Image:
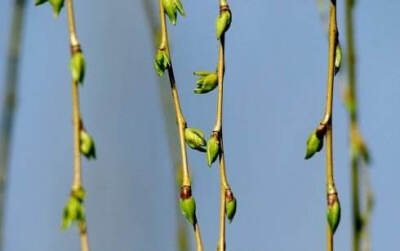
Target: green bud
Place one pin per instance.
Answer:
(57, 6)
(230, 205)
(39, 2)
(333, 213)
(207, 82)
(88, 147)
(314, 144)
(188, 208)
(338, 58)
(213, 149)
(77, 65)
(195, 139)
(172, 7)
(74, 209)
(161, 62)
(223, 23)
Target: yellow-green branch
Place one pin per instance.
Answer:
(77, 182)
(186, 181)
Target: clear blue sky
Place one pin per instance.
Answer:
(275, 87)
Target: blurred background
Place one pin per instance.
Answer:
(274, 96)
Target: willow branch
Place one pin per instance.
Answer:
(77, 182)
(7, 115)
(221, 246)
(181, 230)
(186, 181)
(327, 120)
(358, 225)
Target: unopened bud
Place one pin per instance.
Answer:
(223, 22)
(57, 6)
(78, 66)
(333, 212)
(188, 204)
(314, 144)
(195, 139)
(213, 149)
(88, 147)
(338, 58)
(230, 205)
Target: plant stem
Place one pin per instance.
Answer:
(221, 246)
(327, 120)
(186, 181)
(9, 99)
(77, 182)
(181, 229)
(359, 225)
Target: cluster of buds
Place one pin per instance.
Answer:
(74, 211)
(172, 7)
(56, 4)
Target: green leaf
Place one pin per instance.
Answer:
(213, 149)
(188, 208)
(314, 144)
(57, 6)
(195, 139)
(78, 65)
(230, 209)
(223, 23)
(333, 215)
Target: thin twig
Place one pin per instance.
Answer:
(9, 99)
(181, 229)
(327, 120)
(77, 182)
(186, 181)
(359, 226)
(221, 246)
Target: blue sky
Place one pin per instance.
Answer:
(274, 96)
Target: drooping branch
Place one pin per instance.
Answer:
(10, 99)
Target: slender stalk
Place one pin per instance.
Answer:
(359, 226)
(7, 115)
(181, 230)
(327, 120)
(221, 246)
(186, 181)
(77, 181)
